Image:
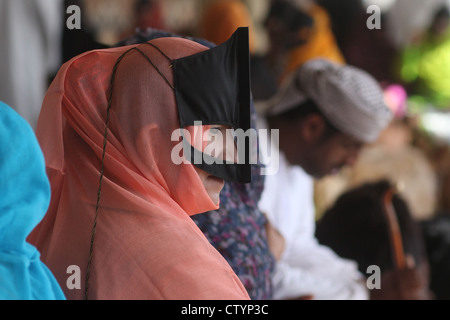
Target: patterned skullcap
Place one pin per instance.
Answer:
(348, 97)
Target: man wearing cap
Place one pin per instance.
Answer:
(325, 113)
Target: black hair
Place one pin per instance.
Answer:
(356, 228)
(442, 13)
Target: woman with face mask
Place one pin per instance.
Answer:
(111, 128)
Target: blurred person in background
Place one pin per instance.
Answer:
(220, 18)
(370, 49)
(394, 157)
(325, 112)
(287, 28)
(320, 42)
(30, 52)
(425, 65)
(357, 227)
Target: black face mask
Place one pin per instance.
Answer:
(213, 87)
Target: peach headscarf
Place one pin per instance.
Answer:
(221, 18)
(146, 245)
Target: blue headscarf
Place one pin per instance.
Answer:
(24, 199)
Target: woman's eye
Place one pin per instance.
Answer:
(214, 130)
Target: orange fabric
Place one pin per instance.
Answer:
(221, 18)
(321, 42)
(146, 246)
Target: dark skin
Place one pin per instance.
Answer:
(287, 28)
(307, 142)
(282, 39)
(355, 228)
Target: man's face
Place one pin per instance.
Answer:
(310, 143)
(331, 154)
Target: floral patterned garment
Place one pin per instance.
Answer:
(237, 231)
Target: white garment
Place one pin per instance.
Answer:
(30, 49)
(305, 267)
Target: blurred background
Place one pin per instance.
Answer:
(404, 44)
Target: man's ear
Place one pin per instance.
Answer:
(313, 128)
